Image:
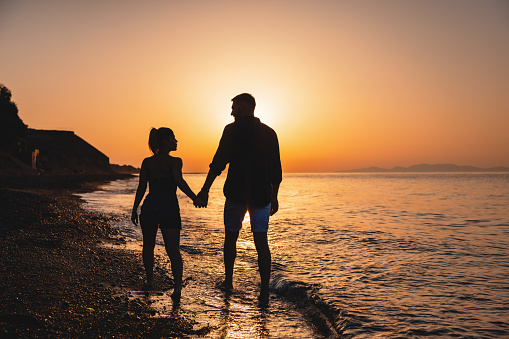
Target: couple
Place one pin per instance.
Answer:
(252, 151)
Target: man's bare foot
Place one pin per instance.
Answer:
(226, 287)
(263, 298)
(175, 296)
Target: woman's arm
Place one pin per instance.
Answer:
(140, 192)
(181, 183)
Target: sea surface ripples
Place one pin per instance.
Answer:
(354, 256)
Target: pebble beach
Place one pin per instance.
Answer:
(58, 276)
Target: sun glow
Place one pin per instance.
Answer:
(344, 85)
(267, 112)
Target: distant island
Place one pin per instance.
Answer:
(427, 168)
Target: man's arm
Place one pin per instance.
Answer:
(277, 177)
(204, 192)
(274, 203)
(221, 158)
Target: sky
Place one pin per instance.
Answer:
(345, 84)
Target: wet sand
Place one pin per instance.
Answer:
(57, 279)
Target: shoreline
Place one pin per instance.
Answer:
(57, 280)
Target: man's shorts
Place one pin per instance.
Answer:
(234, 213)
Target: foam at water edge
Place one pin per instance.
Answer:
(327, 320)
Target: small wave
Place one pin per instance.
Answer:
(190, 250)
(326, 319)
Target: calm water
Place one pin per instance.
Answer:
(354, 256)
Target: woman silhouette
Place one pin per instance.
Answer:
(160, 209)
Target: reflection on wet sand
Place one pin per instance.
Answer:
(218, 314)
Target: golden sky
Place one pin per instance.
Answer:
(345, 84)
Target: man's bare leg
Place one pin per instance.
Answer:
(264, 264)
(230, 253)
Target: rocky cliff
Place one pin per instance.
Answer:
(54, 152)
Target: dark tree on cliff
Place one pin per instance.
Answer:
(11, 126)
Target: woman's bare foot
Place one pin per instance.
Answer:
(148, 286)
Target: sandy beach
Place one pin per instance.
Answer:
(57, 279)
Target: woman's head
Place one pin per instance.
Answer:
(162, 140)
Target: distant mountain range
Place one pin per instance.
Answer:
(427, 168)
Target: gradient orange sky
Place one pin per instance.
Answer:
(345, 84)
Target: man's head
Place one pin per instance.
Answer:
(243, 105)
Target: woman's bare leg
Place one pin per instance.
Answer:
(149, 242)
(171, 238)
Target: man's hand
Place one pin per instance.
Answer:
(203, 199)
(274, 206)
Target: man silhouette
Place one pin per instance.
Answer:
(251, 149)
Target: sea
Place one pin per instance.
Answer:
(392, 255)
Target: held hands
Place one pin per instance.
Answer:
(202, 199)
(199, 203)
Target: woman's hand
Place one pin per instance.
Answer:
(134, 217)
